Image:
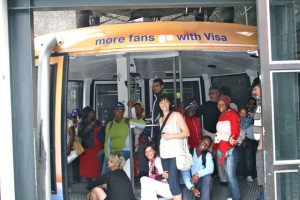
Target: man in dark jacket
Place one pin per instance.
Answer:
(158, 90)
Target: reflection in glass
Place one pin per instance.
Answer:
(190, 91)
(236, 84)
(286, 89)
(287, 186)
(106, 96)
(74, 96)
(285, 29)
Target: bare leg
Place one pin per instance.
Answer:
(98, 194)
(177, 197)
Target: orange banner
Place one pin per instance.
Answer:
(153, 36)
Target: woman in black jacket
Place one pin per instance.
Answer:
(117, 182)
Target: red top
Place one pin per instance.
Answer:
(234, 120)
(195, 128)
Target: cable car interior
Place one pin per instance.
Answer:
(101, 80)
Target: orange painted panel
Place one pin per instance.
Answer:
(153, 36)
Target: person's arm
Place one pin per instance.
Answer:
(200, 129)
(183, 127)
(107, 140)
(138, 123)
(71, 133)
(260, 143)
(99, 181)
(161, 174)
(186, 176)
(235, 128)
(84, 129)
(209, 169)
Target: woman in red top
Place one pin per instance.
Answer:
(88, 130)
(194, 125)
(228, 130)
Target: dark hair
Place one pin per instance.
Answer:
(153, 146)
(214, 88)
(225, 90)
(158, 80)
(206, 137)
(252, 98)
(243, 108)
(86, 111)
(165, 97)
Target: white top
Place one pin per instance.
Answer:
(169, 148)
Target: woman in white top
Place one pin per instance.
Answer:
(156, 183)
(175, 128)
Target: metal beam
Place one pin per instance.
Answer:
(265, 57)
(23, 109)
(6, 142)
(131, 4)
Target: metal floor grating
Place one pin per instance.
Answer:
(249, 190)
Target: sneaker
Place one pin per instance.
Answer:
(249, 179)
(229, 199)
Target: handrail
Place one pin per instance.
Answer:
(43, 122)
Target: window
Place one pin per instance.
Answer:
(285, 29)
(74, 96)
(286, 91)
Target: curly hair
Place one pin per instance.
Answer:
(117, 159)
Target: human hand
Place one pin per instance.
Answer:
(194, 179)
(260, 145)
(196, 192)
(68, 151)
(232, 141)
(93, 123)
(130, 103)
(165, 174)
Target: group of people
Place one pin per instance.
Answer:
(216, 142)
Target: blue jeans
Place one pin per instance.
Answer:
(261, 193)
(230, 166)
(204, 186)
(249, 155)
(186, 193)
(105, 168)
(169, 165)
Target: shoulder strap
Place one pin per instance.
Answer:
(165, 121)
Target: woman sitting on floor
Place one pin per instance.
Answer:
(117, 181)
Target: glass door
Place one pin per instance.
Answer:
(279, 25)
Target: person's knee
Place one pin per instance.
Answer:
(207, 179)
(98, 193)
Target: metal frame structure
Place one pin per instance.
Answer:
(268, 66)
(17, 82)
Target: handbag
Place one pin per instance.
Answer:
(184, 159)
(77, 146)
